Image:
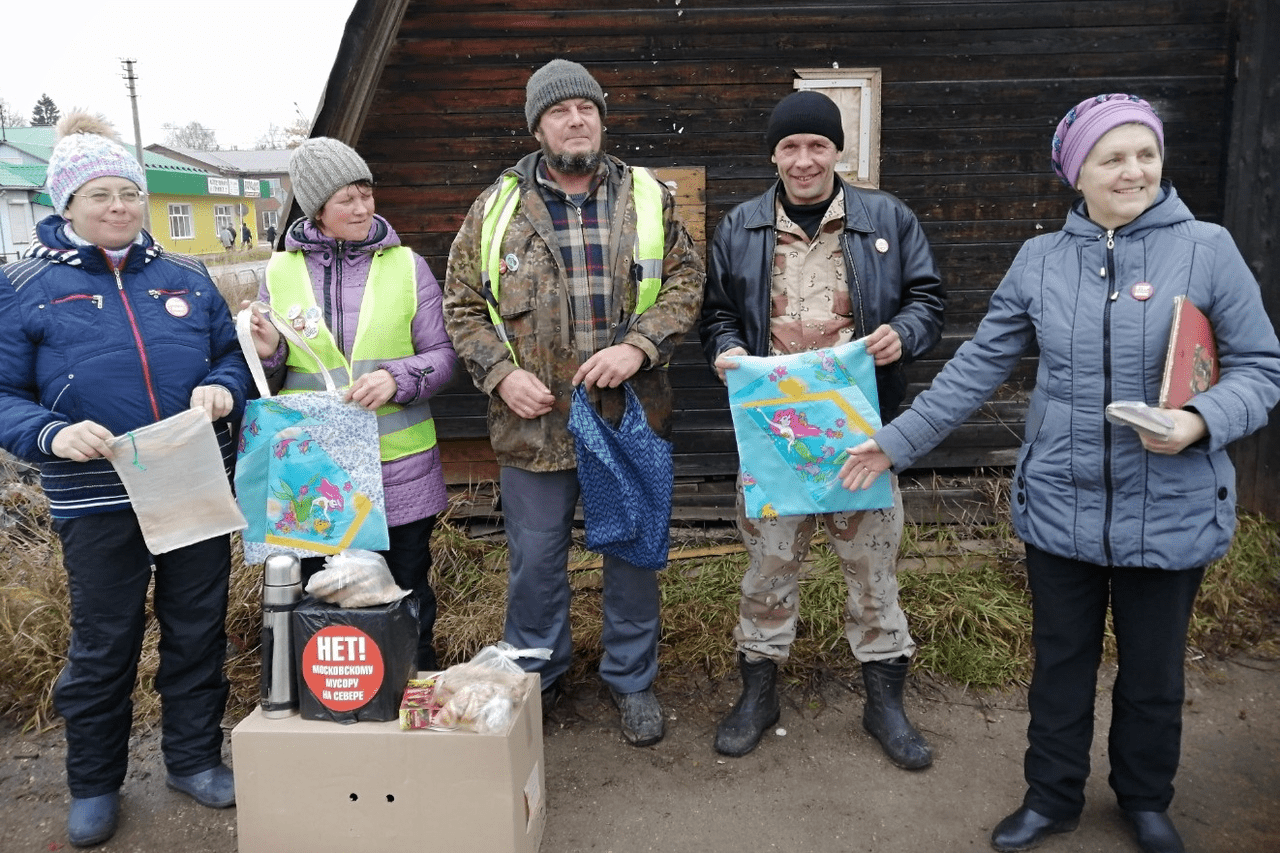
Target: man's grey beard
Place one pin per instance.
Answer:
(574, 164)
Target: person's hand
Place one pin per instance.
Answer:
(866, 462)
(266, 337)
(82, 441)
(214, 399)
(373, 390)
(525, 394)
(728, 360)
(610, 367)
(1188, 428)
(884, 345)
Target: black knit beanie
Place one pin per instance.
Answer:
(805, 112)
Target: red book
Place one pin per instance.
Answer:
(1191, 364)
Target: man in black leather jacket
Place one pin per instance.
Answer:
(815, 262)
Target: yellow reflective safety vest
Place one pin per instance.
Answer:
(649, 250)
(382, 334)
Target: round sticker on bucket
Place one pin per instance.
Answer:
(342, 667)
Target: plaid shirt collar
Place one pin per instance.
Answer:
(582, 232)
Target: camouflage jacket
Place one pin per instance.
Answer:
(532, 299)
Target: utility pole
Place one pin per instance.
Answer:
(129, 80)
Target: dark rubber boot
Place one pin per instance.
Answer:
(93, 820)
(885, 719)
(757, 708)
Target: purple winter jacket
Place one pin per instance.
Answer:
(413, 486)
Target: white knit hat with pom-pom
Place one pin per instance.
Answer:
(88, 148)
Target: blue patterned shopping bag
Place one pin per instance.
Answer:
(794, 416)
(626, 475)
(308, 471)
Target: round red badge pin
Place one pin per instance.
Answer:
(177, 306)
(1141, 291)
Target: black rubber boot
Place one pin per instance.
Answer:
(757, 708)
(885, 719)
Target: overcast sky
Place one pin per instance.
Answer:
(235, 66)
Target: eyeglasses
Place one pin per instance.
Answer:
(102, 198)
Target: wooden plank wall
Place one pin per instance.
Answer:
(1253, 215)
(972, 92)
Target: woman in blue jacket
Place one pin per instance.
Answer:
(1110, 515)
(102, 332)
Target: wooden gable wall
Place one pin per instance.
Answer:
(1253, 216)
(971, 94)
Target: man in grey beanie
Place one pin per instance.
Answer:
(571, 269)
(835, 264)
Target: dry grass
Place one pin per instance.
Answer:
(1238, 606)
(34, 614)
(971, 617)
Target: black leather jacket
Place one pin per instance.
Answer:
(899, 286)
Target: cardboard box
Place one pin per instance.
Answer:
(322, 786)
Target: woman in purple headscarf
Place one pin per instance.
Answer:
(1112, 516)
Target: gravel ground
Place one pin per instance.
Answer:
(817, 783)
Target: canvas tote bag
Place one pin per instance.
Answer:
(176, 481)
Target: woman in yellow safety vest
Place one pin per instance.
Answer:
(371, 311)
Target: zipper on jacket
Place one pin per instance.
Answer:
(335, 317)
(1110, 273)
(156, 294)
(860, 329)
(138, 342)
(766, 292)
(568, 335)
(96, 298)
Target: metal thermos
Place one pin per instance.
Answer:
(281, 590)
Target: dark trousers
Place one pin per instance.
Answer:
(537, 510)
(1150, 610)
(409, 559)
(108, 572)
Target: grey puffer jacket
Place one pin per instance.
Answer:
(413, 486)
(1083, 488)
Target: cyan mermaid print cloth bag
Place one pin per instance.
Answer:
(794, 416)
(308, 473)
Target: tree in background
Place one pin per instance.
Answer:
(193, 135)
(289, 136)
(272, 140)
(45, 113)
(9, 117)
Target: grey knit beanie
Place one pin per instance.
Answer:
(320, 167)
(556, 81)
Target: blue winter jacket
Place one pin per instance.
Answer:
(1084, 488)
(79, 341)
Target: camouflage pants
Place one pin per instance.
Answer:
(866, 543)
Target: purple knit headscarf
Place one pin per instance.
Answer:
(1088, 121)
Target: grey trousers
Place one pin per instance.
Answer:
(538, 511)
